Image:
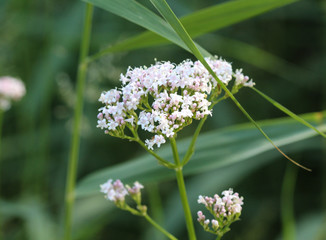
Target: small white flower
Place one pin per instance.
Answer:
(101, 123)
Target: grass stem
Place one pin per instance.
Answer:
(75, 142)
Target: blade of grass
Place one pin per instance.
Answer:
(231, 146)
(259, 58)
(170, 17)
(288, 112)
(75, 141)
(200, 22)
(140, 15)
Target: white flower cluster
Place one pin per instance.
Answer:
(116, 191)
(11, 89)
(163, 98)
(225, 209)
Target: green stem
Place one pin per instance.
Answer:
(182, 191)
(191, 148)
(160, 159)
(1, 122)
(158, 227)
(288, 187)
(75, 142)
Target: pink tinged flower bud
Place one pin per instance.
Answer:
(155, 106)
(100, 116)
(215, 224)
(201, 216)
(135, 189)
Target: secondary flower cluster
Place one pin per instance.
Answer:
(11, 89)
(164, 98)
(225, 210)
(116, 192)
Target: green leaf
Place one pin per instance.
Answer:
(140, 15)
(258, 58)
(170, 17)
(288, 112)
(214, 150)
(202, 21)
(38, 223)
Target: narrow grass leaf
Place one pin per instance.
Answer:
(203, 21)
(214, 150)
(171, 18)
(142, 16)
(288, 112)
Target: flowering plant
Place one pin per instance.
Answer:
(163, 99)
(160, 100)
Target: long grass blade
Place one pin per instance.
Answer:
(200, 22)
(231, 146)
(170, 17)
(142, 16)
(288, 112)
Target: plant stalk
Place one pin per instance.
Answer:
(182, 191)
(75, 142)
(1, 122)
(287, 214)
(158, 227)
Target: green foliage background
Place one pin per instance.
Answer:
(283, 50)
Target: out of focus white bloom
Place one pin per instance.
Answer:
(11, 89)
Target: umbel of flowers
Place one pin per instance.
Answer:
(11, 89)
(225, 210)
(164, 98)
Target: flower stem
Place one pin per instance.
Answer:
(75, 142)
(1, 121)
(191, 148)
(160, 159)
(288, 188)
(182, 191)
(158, 227)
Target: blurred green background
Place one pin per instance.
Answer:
(282, 50)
